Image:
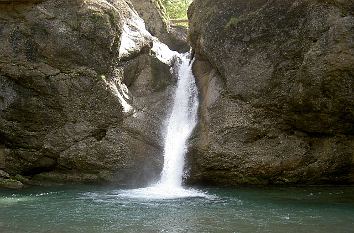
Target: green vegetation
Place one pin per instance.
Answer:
(176, 9)
(232, 22)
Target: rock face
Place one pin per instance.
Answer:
(153, 13)
(72, 109)
(276, 81)
(157, 23)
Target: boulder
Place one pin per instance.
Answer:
(4, 174)
(72, 108)
(157, 23)
(276, 82)
(10, 184)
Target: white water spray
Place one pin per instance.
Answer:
(180, 125)
(181, 121)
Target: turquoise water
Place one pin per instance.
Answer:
(96, 209)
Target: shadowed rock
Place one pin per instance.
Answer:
(276, 79)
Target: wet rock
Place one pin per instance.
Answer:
(4, 174)
(10, 184)
(276, 83)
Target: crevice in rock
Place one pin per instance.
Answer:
(99, 134)
(37, 170)
(50, 166)
(3, 139)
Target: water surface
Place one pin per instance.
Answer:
(96, 210)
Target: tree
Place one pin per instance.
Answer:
(176, 9)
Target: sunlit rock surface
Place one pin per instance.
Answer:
(157, 23)
(71, 108)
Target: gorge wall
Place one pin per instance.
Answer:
(276, 80)
(74, 106)
(157, 23)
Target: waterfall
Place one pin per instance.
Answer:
(181, 123)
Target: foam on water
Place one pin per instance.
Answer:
(162, 192)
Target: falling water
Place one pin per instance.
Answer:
(181, 123)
